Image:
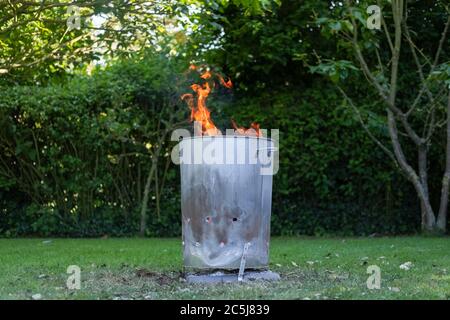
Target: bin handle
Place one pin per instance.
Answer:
(243, 260)
(269, 150)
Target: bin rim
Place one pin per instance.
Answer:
(234, 136)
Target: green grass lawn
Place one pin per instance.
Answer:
(311, 268)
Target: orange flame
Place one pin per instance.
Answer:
(200, 112)
(206, 75)
(227, 84)
(254, 129)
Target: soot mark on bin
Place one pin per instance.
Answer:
(222, 219)
(214, 255)
(196, 208)
(252, 227)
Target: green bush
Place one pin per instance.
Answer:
(74, 158)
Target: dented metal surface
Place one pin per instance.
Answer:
(225, 206)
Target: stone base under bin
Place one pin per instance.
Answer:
(221, 277)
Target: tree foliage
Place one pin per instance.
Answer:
(43, 40)
(415, 102)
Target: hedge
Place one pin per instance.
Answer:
(74, 157)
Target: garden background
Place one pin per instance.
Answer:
(86, 113)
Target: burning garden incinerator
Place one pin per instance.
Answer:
(226, 197)
(226, 191)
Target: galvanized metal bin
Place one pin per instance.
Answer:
(226, 205)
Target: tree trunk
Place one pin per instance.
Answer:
(429, 218)
(441, 224)
(423, 174)
(143, 222)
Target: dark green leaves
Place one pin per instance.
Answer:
(336, 70)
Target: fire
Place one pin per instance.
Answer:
(252, 131)
(201, 114)
(227, 84)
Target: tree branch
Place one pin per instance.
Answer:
(366, 128)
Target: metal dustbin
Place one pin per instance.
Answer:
(226, 198)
